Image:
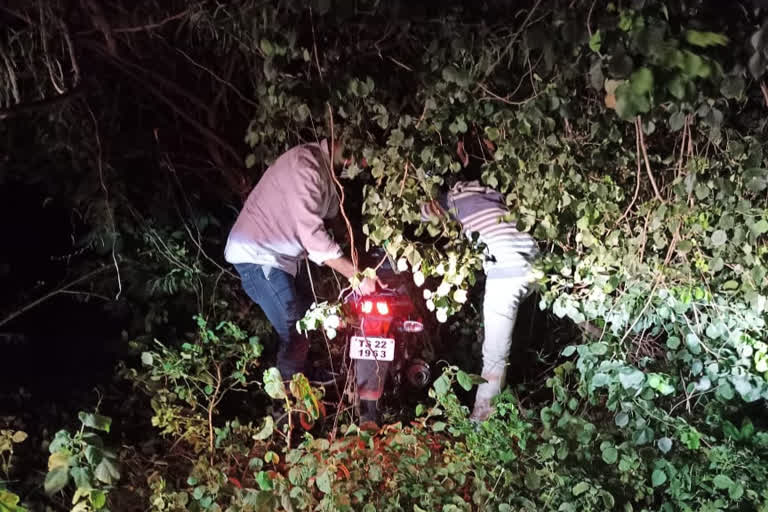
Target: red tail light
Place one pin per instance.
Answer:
(382, 308)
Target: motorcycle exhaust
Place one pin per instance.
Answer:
(418, 373)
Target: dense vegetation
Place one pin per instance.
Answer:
(629, 137)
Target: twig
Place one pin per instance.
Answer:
(218, 79)
(402, 184)
(110, 215)
(637, 179)
(211, 404)
(71, 50)
(639, 127)
(404, 66)
(513, 39)
(151, 26)
(314, 49)
(40, 104)
(645, 307)
(100, 22)
(589, 17)
(11, 77)
(44, 40)
(47, 296)
(86, 294)
(505, 100)
(340, 190)
(764, 89)
(682, 148)
(673, 244)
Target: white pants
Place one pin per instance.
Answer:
(502, 298)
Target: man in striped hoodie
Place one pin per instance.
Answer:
(508, 254)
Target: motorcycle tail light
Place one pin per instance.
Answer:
(382, 308)
(413, 326)
(367, 306)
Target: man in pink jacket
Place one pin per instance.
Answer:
(281, 223)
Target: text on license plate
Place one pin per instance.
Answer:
(381, 349)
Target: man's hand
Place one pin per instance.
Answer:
(367, 286)
(344, 266)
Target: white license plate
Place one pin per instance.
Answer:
(380, 349)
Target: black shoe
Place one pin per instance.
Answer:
(369, 412)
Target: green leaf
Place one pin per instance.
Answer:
(8, 502)
(98, 499)
(676, 121)
(442, 385)
(732, 87)
(106, 472)
(532, 480)
(323, 481)
(273, 384)
(599, 348)
(264, 481)
(465, 381)
(56, 480)
(580, 488)
(596, 41)
(622, 419)
(439, 426)
(693, 343)
(664, 444)
(95, 421)
(719, 238)
(266, 430)
(736, 491)
(610, 455)
(81, 477)
(267, 47)
(642, 81)
(658, 477)
(760, 227)
(705, 39)
(631, 378)
(722, 482)
(756, 179)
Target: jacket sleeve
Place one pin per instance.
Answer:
(311, 196)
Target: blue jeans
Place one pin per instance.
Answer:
(275, 291)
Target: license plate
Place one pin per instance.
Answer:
(380, 349)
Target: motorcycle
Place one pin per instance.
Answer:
(386, 341)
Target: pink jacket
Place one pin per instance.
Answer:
(282, 219)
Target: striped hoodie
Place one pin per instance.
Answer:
(480, 210)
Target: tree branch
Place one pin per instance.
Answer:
(55, 292)
(33, 106)
(639, 127)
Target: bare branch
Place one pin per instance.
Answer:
(639, 127)
(55, 292)
(40, 104)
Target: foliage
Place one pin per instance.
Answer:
(626, 137)
(187, 383)
(82, 459)
(9, 502)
